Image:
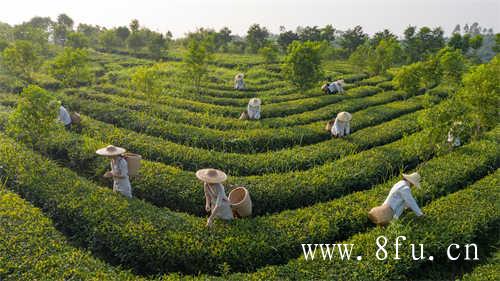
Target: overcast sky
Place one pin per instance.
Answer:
(181, 16)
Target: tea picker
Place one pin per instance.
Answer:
(399, 198)
(253, 110)
(123, 165)
(454, 134)
(334, 87)
(239, 84)
(341, 127)
(217, 203)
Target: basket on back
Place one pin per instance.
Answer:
(133, 163)
(241, 202)
(381, 215)
(75, 117)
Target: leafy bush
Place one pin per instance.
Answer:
(71, 67)
(302, 64)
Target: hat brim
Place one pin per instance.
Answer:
(410, 180)
(105, 152)
(203, 176)
(255, 102)
(345, 117)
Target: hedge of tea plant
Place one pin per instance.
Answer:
(128, 228)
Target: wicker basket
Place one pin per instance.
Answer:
(381, 215)
(241, 202)
(133, 163)
(75, 118)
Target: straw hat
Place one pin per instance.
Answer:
(111, 150)
(240, 76)
(413, 178)
(211, 175)
(254, 102)
(344, 116)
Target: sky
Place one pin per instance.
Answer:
(181, 16)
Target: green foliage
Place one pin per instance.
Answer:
(21, 58)
(386, 54)
(496, 47)
(109, 40)
(27, 233)
(352, 38)
(147, 80)
(35, 116)
(419, 45)
(452, 65)
(72, 67)
(157, 45)
(408, 77)
(302, 64)
(475, 106)
(270, 53)
(256, 37)
(136, 41)
(77, 40)
(196, 61)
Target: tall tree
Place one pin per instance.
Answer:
(257, 37)
(196, 61)
(122, 32)
(352, 38)
(62, 28)
(72, 67)
(285, 38)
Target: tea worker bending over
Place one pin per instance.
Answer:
(400, 197)
(342, 127)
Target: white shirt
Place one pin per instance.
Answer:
(335, 86)
(340, 128)
(455, 141)
(400, 198)
(64, 116)
(217, 196)
(253, 112)
(122, 185)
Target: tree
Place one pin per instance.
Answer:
(456, 41)
(475, 106)
(352, 38)
(72, 67)
(26, 32)
(62, 28)
(286, 38)
(257, 37)
(476, 42)
(302, 64)
(408, 77)
(379, 36)
(270, 53)
(157, 45)
(122, 32)
(223, 38)
(78, 40)
(361, 56)
(147, 80)
(91, 32)
(387, 54)
(309, 33)
(328, 33)
(196, 61)
(109, 40)
(21, 58)
(134, 26)
(452, 65)
(35, 116)
(496, 47)
(136, 41)
(456, 29)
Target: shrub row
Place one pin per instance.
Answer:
(174, 114)
(487, 272)
(32, 249)
(447, 221)
(156, 240)
(255, 140)
(297, 158)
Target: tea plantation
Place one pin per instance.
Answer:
(60, 219)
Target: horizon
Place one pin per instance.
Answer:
(163, 17)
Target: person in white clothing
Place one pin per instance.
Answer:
(216, 201)
(336, 87)
(64, 116)
(119, 169)
(341, 127)
(453, 134)
(253, 108)
(399, 198)
(239, 84)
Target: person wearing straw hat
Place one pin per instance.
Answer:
(342, 127)
(453, 134)
(216, 201)
(253, 109)
(399, 198)
(336, 87)
(119, 169)
(239, 84)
